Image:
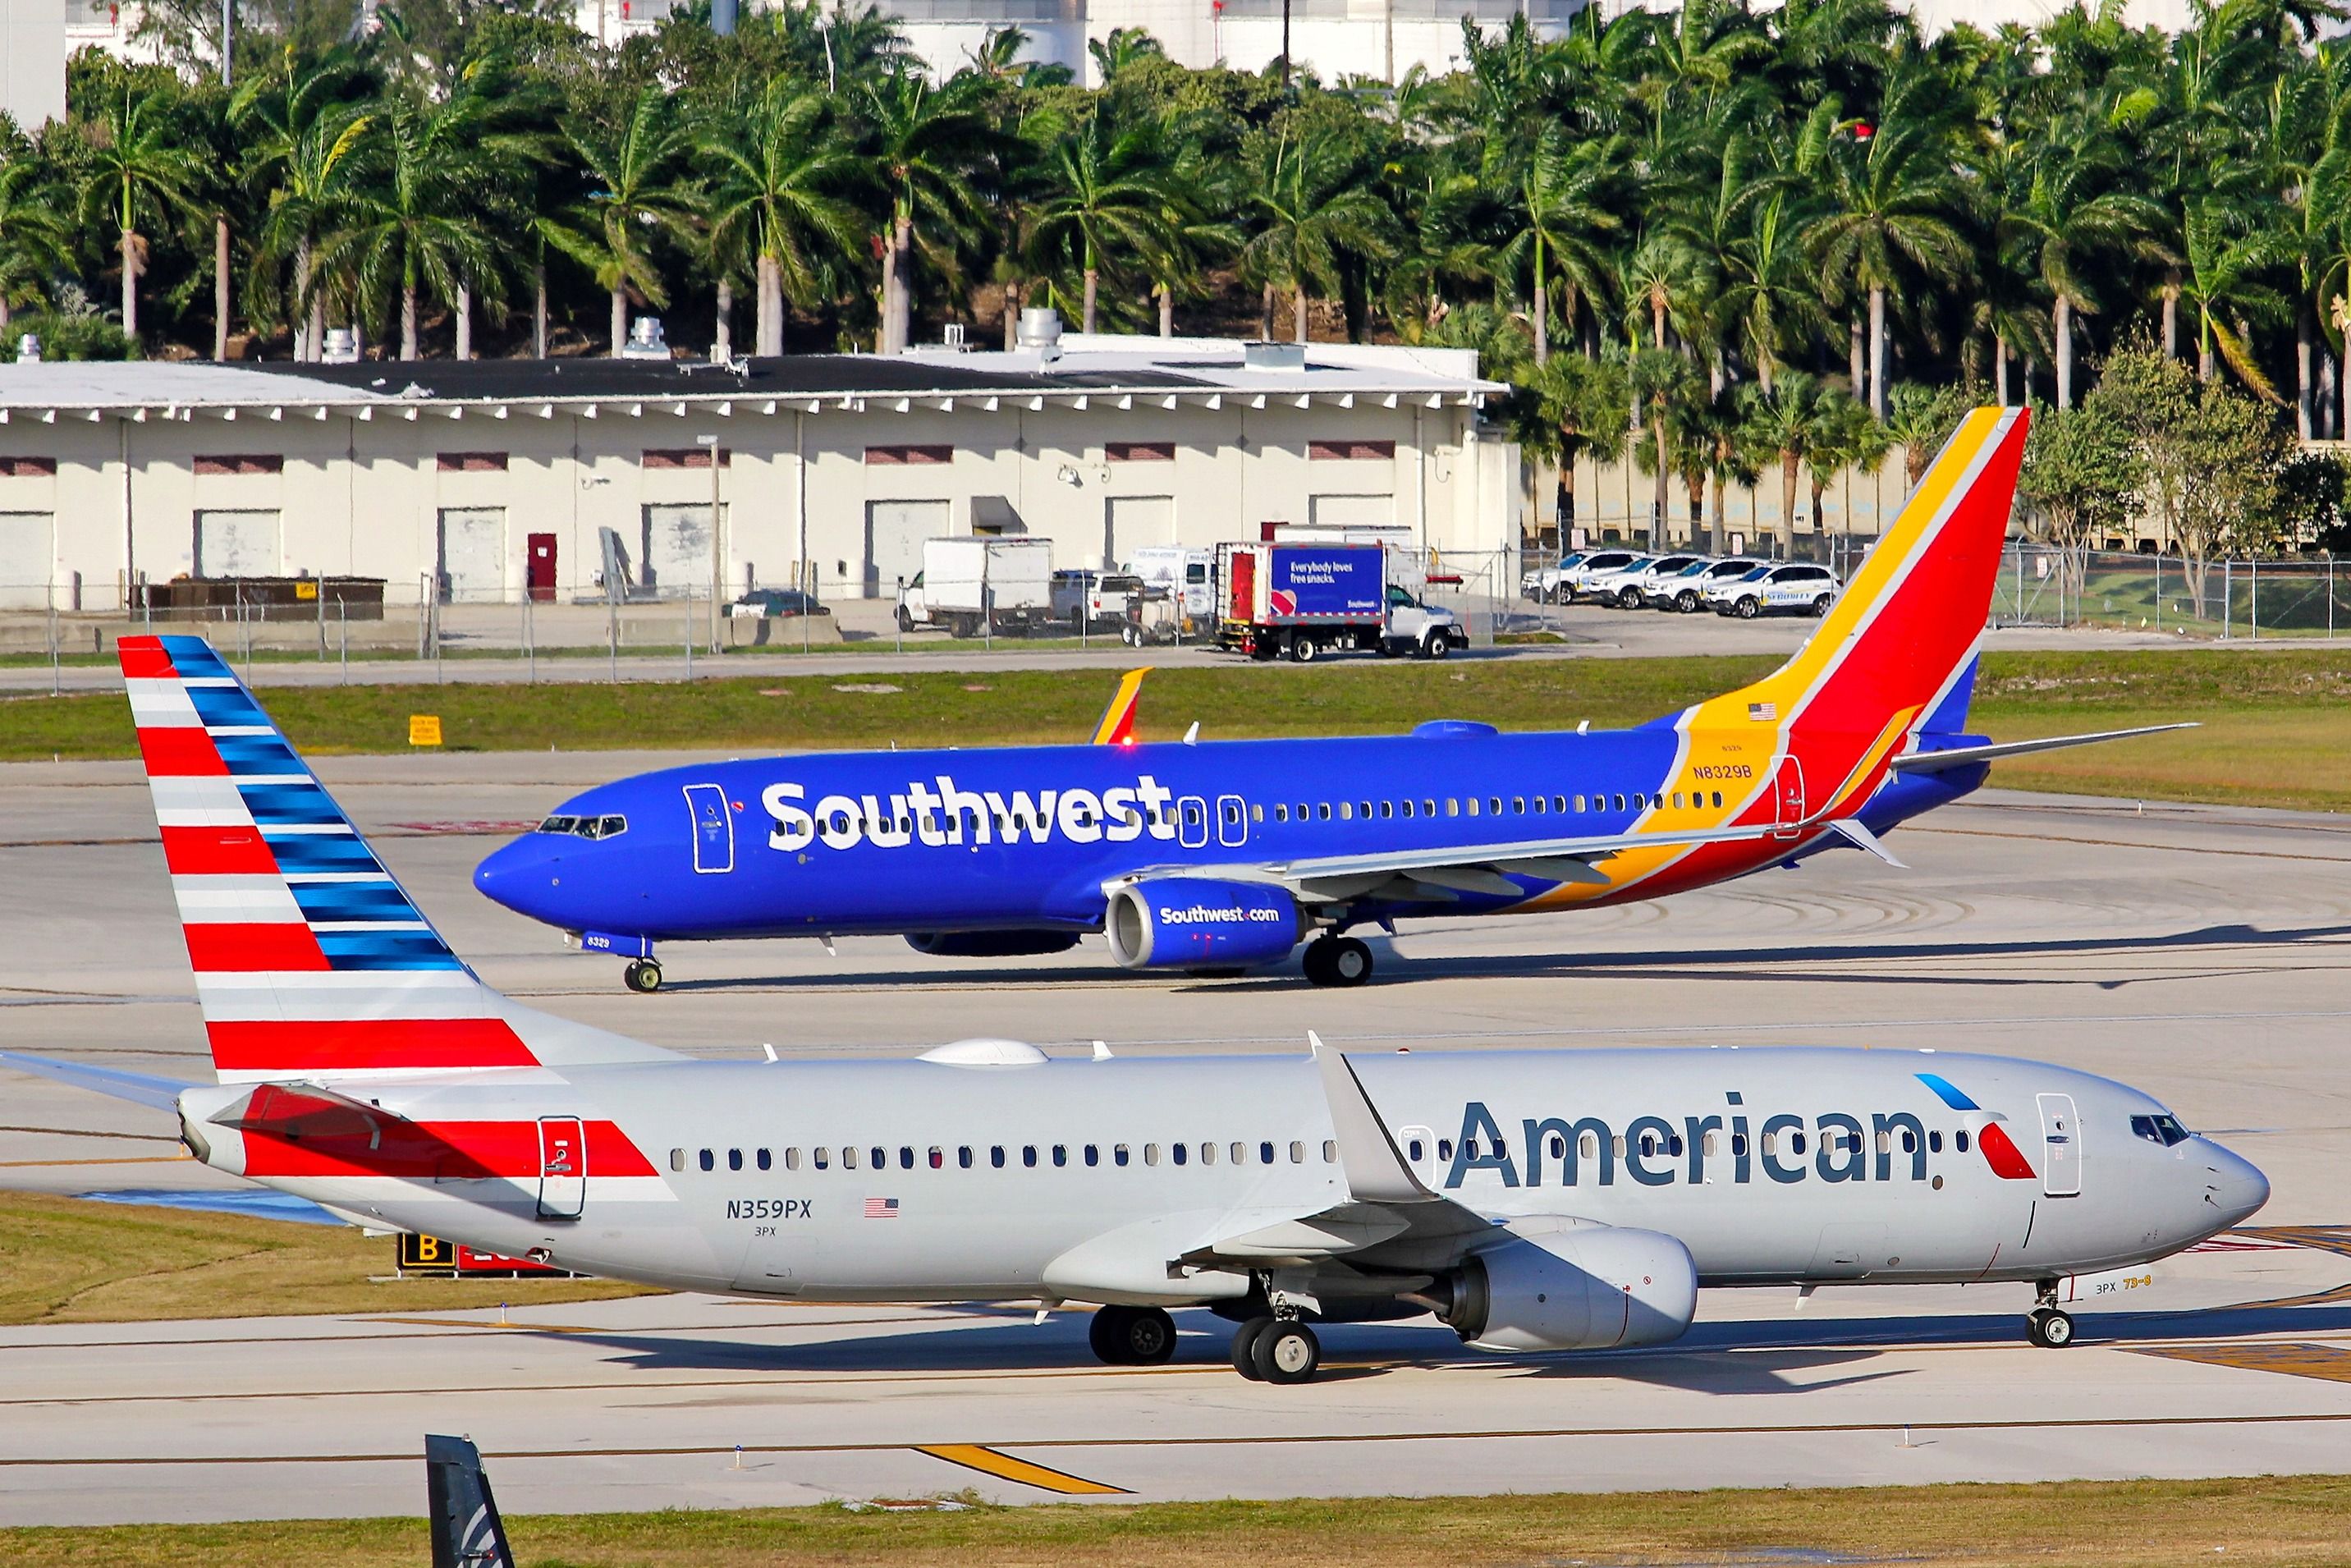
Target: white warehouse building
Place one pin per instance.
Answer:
(492, 481)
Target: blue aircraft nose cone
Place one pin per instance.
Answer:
(523, 877)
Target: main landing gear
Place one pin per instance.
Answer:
(2049, 1326)
(1276, 1350)
(643, 975)
(1338, 961)
(1131, 1336)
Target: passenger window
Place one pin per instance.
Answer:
(1093, 1154)
(1620, 802)
(710, 1161)
(1678, 799)
(1416, 1150)
(996, 1156)
(1407, 808)
(1739, 1143)
(1367, 810)
(1579, 802)
(1324, 810)
(1473, 805)
(848, 1158)
(881, 1159)
(963, 1158)
(1539, 806)
(1884, 1143)
(791, 1159)
(1028, 1156)
(1427, 807)
(820, 1156)
(1909, 1142)
(1935, 1142)
(1207, 1153)
(1494, 806)
(1240, 1154)
(1717, 799)
(1281, 812)
(1796, 1142)
(1387, 810)
(677, 1159)
(1443, 1148)
(1265, 1154)
(1151, 1153)
(1559, 803)
(906, 1158)
(1060, 1154)
(1346, 810)
(1518, 805)
(1297, 1154)
(765, 1160)
(1771, 1143)
(1589, 1146)
(1118, 1155)
(1558, 1148)
(1619, 1145)
(1256, 814)
(1179, 1153)
(1706, 1146)
(939, 1159)
(1330, 1151)
(1959, 1140)
(1452, 807)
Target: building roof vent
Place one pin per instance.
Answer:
(1257, 356)
(646, 341)
(28, 348)
(1040, 330)
(341, 347)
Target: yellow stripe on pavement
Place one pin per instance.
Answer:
(1004, 1467)
(2329, 1362)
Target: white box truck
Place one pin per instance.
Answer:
(977, 580)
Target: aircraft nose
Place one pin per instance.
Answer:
(2233, 1185)
(523, 876)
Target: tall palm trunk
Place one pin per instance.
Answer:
(130, 284)
(1564, 499)
(1264, 316)
(464, 321)
(1543, 306)
(1298, 313)
(1853, 353)
(1093, 293)
(1011, 317)
(902, 255)
(2061, 318)
(1788, 460)
(620, 320)
(2171, 314)
(2302, 369)
(2204, 365)
(768, 340)
(1877, 351)
(220, 287)
(1714, 535)
(1658, 505)
(1166, 292)
(2000, 368)
(889, 294)
(722, 334)
(408, 321)
(538, 310)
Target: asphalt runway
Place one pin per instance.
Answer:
(2197, 952)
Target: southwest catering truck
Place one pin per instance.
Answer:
(1303, 599)
(1006, 579)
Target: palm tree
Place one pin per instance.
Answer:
(1893, 204)
(1310, 196)
(136, 168)
(925, 144)
(35, 238)
(633, 163)
(1580, 404)
(777, 169)
(305, 136)
(1661, 380)
(1557, 185)
(2072, 224)
(1788, 422)
(1110, 195)
(1123, 47)
(2223, 284)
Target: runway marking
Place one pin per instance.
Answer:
(119, 1160)
(85, 1132)
(1295, 1439)
(1004, 1467)
(494, 1328)
(2331, 1362)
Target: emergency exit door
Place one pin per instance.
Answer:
(562, 1167)
(2060, 1148)
(1787, 797)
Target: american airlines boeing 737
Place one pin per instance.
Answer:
(1229, 855)
(1531, 1201)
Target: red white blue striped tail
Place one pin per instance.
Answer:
(311, 960)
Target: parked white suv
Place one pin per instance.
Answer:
(1686, 590)
(1574, 582)
(1640, 588)
(1620, 588)
(1543, 584)
(1793, 588)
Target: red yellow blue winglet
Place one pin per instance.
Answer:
(1117, 725)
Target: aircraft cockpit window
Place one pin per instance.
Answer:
(2164, 1130)
(606, 827)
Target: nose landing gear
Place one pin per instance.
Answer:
(642, 975)
(2049, 1326)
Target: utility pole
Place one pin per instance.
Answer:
(228, 38)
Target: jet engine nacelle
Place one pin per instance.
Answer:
(1197, 921)
(1594, 1288)
(990, 944)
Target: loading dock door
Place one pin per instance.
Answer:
(27, 558)
(473, 555)
(895, 532)
(237, 544)
(677, 559)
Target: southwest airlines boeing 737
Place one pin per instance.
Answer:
(1529, 1201)
(1229, 855)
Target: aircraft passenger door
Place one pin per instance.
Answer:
(562, 1167)
(1232, 821)
(2060, 1148)
(1788, 796)
(1192, 822)
(714, 828)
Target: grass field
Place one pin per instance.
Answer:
(2129, 1524)
(2278, 722)
(63, 1259)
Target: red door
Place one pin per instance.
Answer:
(540, 568)
(1788, 796)
(1244, 587)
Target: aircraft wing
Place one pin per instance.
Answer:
(1967, 755)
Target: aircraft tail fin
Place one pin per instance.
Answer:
(466, 1530)
(1895, 652)
(311, 961)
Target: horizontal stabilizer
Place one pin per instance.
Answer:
(162, 1093)
(1850, 829)
(303, 1111)
(1967, 756)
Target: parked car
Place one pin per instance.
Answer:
(1095, 600)
(1793, 588)
(1636, 587)
(1616, 588)
(1686, 590)
(1541, 584)
(775, 604)
(1574, 582)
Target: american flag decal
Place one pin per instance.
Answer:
(881, 1208)
(1763, 713)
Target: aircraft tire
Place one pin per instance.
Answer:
(1107, 1335)
(1245, 1340)
(642, 976)
(1287, 1353)
(2049, 1328)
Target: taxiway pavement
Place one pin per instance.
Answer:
(2200, 953)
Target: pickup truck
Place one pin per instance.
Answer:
(1305, 600)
